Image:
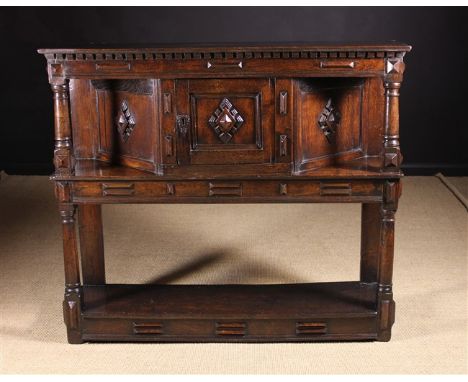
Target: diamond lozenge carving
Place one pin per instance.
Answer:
(328, 120)
(125, 121)
(225, 120)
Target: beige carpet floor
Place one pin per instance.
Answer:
(264, 244)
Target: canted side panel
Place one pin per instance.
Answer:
(84, 119)
(328, 120)
(128, 122)
(372, 117)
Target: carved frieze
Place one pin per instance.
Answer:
(239, 53)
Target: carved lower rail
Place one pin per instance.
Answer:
(212, 191)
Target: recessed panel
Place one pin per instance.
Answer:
(328, 121)
(226, 122)
(127, 121)
(231, 121)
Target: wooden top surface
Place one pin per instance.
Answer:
(361, 168)
(230, 47)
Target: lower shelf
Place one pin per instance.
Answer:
(230, 313)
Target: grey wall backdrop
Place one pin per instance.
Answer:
(434, 131)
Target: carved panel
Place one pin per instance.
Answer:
(231, 121)
(125, 121)
(225, 120)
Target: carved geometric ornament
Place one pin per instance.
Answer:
(328, 120)
(394, 65)
(225, 120)
(125, 121)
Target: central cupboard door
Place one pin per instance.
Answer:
(224, 121)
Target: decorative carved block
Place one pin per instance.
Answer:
(170, 188)
(225, 189)
(63, 160)
(151, 328)
(225, 120)
(118, 189)
(72, 308)
(328, 120)
(62, 192)
(283, 103)
(392, 159)
(307, 328)
(167, 102)
(335, 189)
(125, 121)
(394, 65)
(283, 189)
(231, 328)
(283, 145)
(391, 194)
(169, 146)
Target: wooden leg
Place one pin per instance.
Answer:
(370, 241)
(91, 244)
(72, 298)
(386, 304)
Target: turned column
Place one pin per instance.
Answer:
(63, 154)
(392, 158)
(64, 164)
